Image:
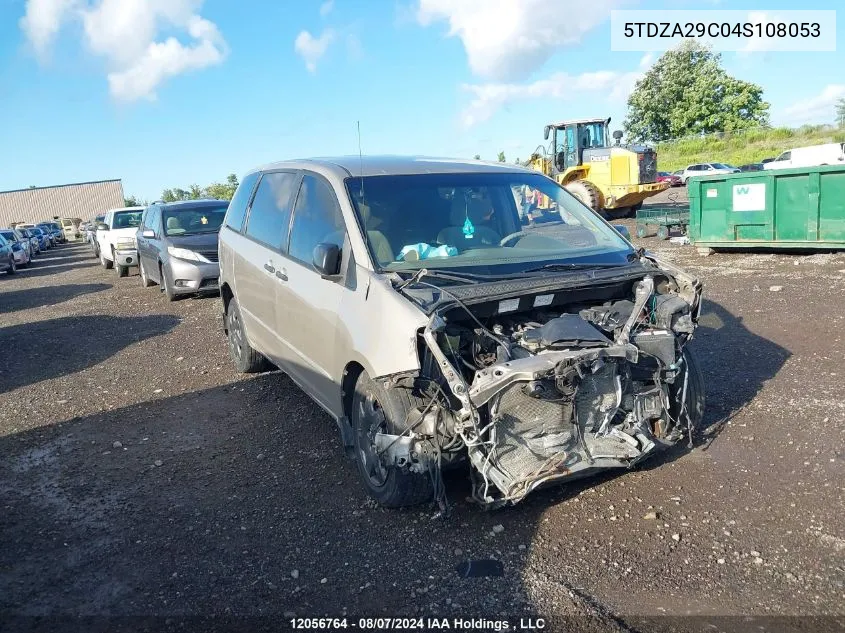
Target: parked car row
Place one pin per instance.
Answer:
(173, 244)
(811, 156)
(20, 244)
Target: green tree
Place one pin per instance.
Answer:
(688, 92)
(840, 112)
(175, 194)
(477, 157)
(501, 157)
(195, 193)
(223, 191)
(132, 201)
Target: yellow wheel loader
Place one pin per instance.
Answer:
(613, 179)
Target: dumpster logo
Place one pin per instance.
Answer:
(750, 197)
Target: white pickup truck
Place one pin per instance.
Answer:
(116, 239)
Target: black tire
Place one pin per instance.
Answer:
(105, 263)
(122, 271)
(165, 285)
(246, 359)
(13, 267)
(586, 192)
(375, 409)
(146, 282)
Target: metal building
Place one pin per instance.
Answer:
(77, 200)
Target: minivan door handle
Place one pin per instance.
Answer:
(281, 275)
(269, 267)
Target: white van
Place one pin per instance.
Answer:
(813, 156)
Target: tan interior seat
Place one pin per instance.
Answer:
(380, 244)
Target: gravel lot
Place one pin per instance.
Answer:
(142, 477)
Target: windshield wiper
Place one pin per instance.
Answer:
(465, 278)
(573, 266)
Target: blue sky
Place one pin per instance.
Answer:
(166, 93)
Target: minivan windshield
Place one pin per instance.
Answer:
(193, 221)
(486, 223)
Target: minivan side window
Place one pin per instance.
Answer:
(316, 219)
(785, 156)
(237, 206)
(269, 214)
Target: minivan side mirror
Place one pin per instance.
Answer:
(102, 227)
(326, 260)
(148, 234)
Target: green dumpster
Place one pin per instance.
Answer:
(783, 208)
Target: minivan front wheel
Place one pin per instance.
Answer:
(166, 288)
(377, 410)
(146, 282)
(247, 360)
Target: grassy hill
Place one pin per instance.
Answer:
(739, 148)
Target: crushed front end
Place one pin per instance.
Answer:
(553, 385)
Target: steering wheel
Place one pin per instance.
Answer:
(508, 238)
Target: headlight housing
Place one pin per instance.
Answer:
(184, 253)
(125, 242)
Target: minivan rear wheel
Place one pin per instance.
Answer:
(246, 359)
(377, 410)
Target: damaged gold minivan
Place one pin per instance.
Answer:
(445, 318)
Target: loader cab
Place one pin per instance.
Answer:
(571, 138)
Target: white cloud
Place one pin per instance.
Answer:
(125, 32)
(646, 61)
(818, 109)
(42, 21)
(168, 59)
(311, 48)
(326, 7)
(489, 98)
(506, 40)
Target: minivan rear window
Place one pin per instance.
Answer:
(237, 205)
(269, 214)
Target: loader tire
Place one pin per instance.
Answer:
(586, 192)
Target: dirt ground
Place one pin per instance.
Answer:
(144, 485)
